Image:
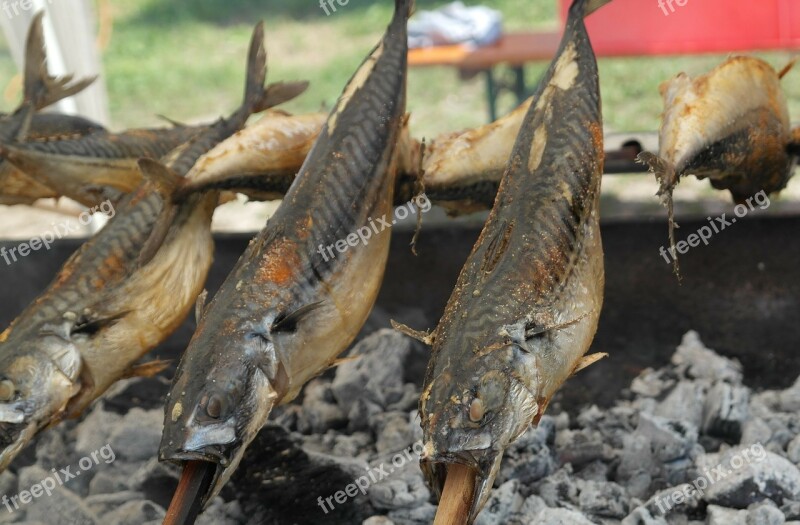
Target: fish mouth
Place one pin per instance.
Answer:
(484, 463)
(13, 438)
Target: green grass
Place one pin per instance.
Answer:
(185, 59)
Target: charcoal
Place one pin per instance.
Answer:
(377, 520)
(134, 513)
(755, 430)
(320, 411)
(376, 373)
(421, 515)
(789, 399)
(558, 488)
(725, 411)
(764, 476)
(793, 450)
(724, 516)
(61, 507)
(560, 516)
(684, 403)
(137, 435)
(764, 513)
(605, 500)
(402, 488)
(504, 501)
(694, 360)
(102, 504)
(527, 512)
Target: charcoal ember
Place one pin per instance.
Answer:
(375, 373)
(402, 487)
(335, 444)
(95, 430)
(658, 449)
(377, 520)
(102, 504)
(717, 515)
(527, 512)
(421, 515)
(361, 413)
(561, 516)
(604, 500)
(107, 483)
(504, 501)
(755, 430)
(8, 483)
(693, 360)
(750, 474)
(221, 513)
(791, 509)
(725, 411)
(652, 383)
(60, 507)
(764, 513)
(134, 513)
(558, 488)
(579, 447)
(320, 411)
(156, 480)
(684, 402)
(599, 470)
(137, 435)
(530, 458)
(393, 430)
(679, 499)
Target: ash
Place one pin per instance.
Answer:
(685, 444)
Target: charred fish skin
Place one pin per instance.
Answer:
(730, 125)
(288, 308)
(526, 304)
(107, 306)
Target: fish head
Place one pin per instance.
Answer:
(38, 377)
(470, 418)
(219, 400)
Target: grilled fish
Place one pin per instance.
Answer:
(289, 308)
(39, 91)
(526, 304)
(730, 125)
(122, 293)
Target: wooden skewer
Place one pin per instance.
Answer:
(194, 483)
(457, 496)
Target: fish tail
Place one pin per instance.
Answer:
(257, 98)
(404, 8)
(668, 178)
(40, 88)
(587, 7)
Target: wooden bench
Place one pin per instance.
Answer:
(629, 28)
(513, 49)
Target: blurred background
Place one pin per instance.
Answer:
(185, 58)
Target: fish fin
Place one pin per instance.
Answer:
(90, 325)
(40, 88)
(667, 177)
(588, 360)
(280, 92)
(200, 305)
(423, 337)
(149, 369)
(289, 322)
(4, 335)
(787, 67)
(166, 182)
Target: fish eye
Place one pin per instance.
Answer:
(476, 410)
(214, 405)
(7, 390)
